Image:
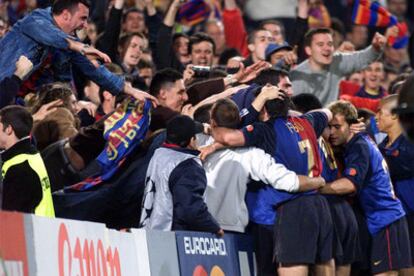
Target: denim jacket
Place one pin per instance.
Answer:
(36, 36)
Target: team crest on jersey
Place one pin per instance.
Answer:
(250, 128)
(351, 172)
(395, 153)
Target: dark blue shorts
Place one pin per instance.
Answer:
(304, 231)
(346, 247)
(390, 248)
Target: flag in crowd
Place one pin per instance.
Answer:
(373, 14)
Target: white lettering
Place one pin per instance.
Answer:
(204, 246)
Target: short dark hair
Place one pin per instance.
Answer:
(252, 35)
(128, 11)
(162, 78)
(309, 35)
(202, 114)
(306, 102)
(274, 22)
(228, 54)
(270, 75)
(278, 107)
(60, 5)
(198, 38)
(18, 118)
(180, 130)
(226, 114)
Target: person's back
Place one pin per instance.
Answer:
(228, 173)
(175, 183)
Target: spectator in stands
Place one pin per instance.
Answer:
(215, 29)
(372, 90)
(146, 71)
(321, 73)
(4, 27)
(26, 186)
(60, 124)
(180, 45)
(168, 87)
(133, 21)
(277, 30)
(201, 47)
(280, 55)
(258, 41)
(9, 86)
(54, 34)
(175, 184)
(358, 36)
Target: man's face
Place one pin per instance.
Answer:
(181, 49)
(260, 43)
(77, 20)
(359, 36)
(216, 32)
(276, 32)
(134, 22)
(134, 51)
(397, 7)
(202, 53)
(385, 119)
(340, 130)
(321, 49)
(276, 57)
(286, 85)
(174, 96)
(373, 75)
(146, 74)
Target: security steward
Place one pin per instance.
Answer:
(26, 186)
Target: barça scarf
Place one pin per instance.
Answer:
(124, 131)
(196, 11)
(373, 14)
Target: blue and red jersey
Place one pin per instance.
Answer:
(400, 159)
(292, 141)
(367, 170)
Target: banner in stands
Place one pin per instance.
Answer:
(13, 256)
(203, 254)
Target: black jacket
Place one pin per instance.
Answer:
(22, 190)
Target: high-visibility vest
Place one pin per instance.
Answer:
(45, 207)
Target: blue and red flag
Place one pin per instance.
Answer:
(124, 131)
(373, 14)
(196, 11)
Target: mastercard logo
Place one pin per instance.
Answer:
(201, 271)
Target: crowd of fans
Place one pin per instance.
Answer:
(271, 118)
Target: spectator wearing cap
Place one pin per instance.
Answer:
(280, 55)
(175, 183)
